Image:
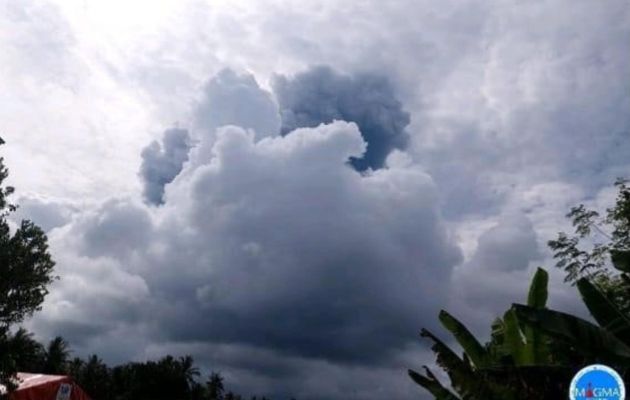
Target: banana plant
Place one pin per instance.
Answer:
(604, 311)
(490, 371)
(610, 339)
(621, 260)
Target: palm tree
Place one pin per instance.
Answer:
(215, 386)
(56, 356)
(187, 365)
(96, 378)
(27, 352)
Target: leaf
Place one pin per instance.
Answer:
(513, 339)
(468, 383)
(537, 296)
(432, 384)
(605, 312)
(469, 343)
(446, 358)
(587, 338)
(621, 259)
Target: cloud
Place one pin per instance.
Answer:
(115, 230)
(515, 113)
(235, 99)
(531, 107)
(273, 244)
(338, 237)
(47, 214)
(497, 273)
(100, 293)
(162, 163)
(320, 95)
(230, 98)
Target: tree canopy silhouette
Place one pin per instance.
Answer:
(26, 270)
(599, 249)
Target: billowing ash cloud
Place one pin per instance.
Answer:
(274, 246)
(320, 95)
(162, 162)
(235, 99)
(297, 247)
(230, 98)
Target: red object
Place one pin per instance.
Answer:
(47, 387)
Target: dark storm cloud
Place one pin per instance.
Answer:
(162, 162)
(321, 95)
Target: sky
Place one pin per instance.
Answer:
(290, 190)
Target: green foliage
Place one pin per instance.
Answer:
(57, 356)
(165, 379)
(28, 354)
(599, 250)
(214, 386)
(521, 361)
(537, 296)
(536, 349)
(26, 270)
(474, 350)
(533, 351)
(590, 340)
(605, 311)
(432, 384)
(620, 259)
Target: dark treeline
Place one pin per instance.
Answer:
(168, 378)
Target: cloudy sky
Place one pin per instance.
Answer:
(290, 190)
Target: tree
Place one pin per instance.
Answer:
(26, 270)
(188, 369)
(215, 386)
(599, 249)
(57, 356)
(95, 378)
(28, 354)
(75, 369)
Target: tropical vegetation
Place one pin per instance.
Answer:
(534, 351)
(165, 379)
(26, 269)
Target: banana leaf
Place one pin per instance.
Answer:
(538, 294)
(587, 339)
(514, 341)
(605, 312)
(432, 384)
(474, 350)
(621, 259)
